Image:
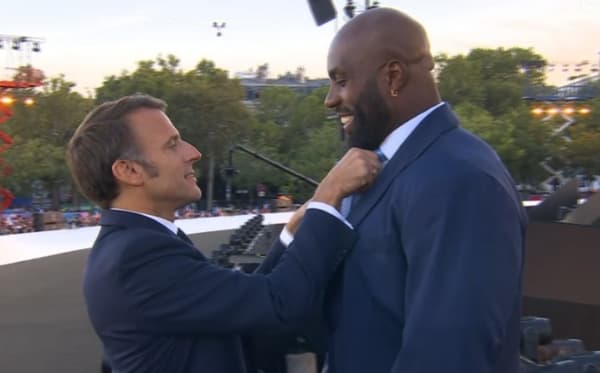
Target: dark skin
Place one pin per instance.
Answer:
(380, 70)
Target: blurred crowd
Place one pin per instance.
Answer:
(16, 223)
(23, 221)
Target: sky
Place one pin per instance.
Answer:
(88, 41)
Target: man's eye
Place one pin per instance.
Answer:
(341, 82)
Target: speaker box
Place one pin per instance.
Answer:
(549, 209)
(323, 11)
(586, 214)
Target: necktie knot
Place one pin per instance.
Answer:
(349, 202)
(382, 158)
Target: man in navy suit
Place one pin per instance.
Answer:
(153, 299)
(433, 283)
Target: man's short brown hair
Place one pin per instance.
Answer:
(102, 138)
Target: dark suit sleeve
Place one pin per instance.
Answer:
(275, 252)
(463, 246)
(173, 291)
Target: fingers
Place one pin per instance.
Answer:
(355, 172)
(362, 165)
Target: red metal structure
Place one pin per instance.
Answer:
(26, 77)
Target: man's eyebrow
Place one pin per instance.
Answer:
(335, 72)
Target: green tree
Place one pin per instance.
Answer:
(291, 129)
(265, 138)
(309, 115)
(319, 154)
(156, 78)
(521, 141)
(581, 153)
(276, 105)
(213, 116)
(491, 78)
(40, 135)
(487, 87)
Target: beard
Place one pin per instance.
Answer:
(372, 119)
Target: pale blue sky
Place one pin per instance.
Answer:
(88, 41)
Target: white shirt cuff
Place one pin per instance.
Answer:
(330, 210)
(286, 237)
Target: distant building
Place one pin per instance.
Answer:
(254, 82)
(579, 89)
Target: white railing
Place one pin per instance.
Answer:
(20, 247)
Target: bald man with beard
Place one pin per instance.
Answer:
(433, 283)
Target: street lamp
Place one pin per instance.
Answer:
(7, 100)
(566, 111)
(537, 111)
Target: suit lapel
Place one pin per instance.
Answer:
(184, 237)
(433, 126)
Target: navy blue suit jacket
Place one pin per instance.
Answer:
(158, 305)
(433, 283)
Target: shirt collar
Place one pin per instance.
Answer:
(394, 140)
(167, 223)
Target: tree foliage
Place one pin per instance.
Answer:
(291, 129)
(40, 135)
(582, 153)
(490, 78)
(487, 87)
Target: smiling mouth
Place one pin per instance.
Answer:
(346, 121)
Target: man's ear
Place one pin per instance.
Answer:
(128, 172)
(396, 76)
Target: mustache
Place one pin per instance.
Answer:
(343, 110)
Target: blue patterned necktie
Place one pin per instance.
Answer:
(382, 158)
(349, 202)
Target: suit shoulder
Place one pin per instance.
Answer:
(132, 237)
(457, 156)
(458, 162)
(124, 246)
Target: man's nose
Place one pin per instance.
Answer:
(195, 154)
(332, 99)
